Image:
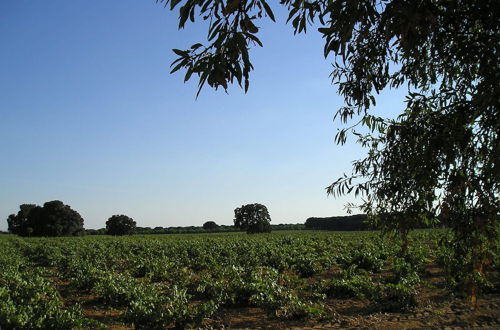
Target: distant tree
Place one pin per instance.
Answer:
(17, 223)
(90, 232)
(288, 226)
(120, 225)
(53, 219)
(254, 218)
(210, 226)
(144, 231)
(341, 223)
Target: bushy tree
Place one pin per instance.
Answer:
(210, 226)
(253, 218)
(53, 219)
(440, 156)
(120, 225)
(18, 223)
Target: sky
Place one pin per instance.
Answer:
(91, 116)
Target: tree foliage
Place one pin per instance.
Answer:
(118, 225)
(210, 226)
(440, 156)
(17, 223)
(53, 219)
(253, 218)
(340, 223)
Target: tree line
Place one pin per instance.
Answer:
(341, 223)
(359, 222)
(55, 219)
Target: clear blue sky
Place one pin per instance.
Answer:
(90, 115)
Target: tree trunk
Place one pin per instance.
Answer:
(478, 262)
(404, 241)
(478, 270)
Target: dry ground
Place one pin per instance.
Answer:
(437, 309)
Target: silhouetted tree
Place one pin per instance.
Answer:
(17, 223)
(210, 226)
(120, 225)
(340, 223)
(254, 218)
(53, 219)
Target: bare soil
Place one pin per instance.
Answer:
(437, 309)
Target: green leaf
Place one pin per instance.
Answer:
(292, 13)
(183, 16)
(268, 10)
(189, 72)
(250, 26)
(215, 30)
(254, 38)
(174, 3)
(179, 52)
(231, 7)
(180, 65)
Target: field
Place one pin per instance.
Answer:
(298, 279)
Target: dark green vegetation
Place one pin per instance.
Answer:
(343, 223)
(210, 226)
(193, 229)
(439, 157)
(253, 218)
(56, 219)
(120, 225)
(53, 219)
(191, 280)
(355, 222)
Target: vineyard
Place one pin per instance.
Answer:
(287, 279)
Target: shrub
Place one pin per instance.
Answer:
(395, 298)
(29, 301)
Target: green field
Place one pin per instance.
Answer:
(295, 278)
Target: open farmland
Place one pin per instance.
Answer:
(280, 280)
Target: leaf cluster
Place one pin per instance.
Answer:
(253, 218)
(120, 225)
(53, 219)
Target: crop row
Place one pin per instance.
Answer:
(161, 281)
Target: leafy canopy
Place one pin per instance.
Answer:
(254, 218)
(17, 223)
(440, 156)
(120, 225)
(210, 225)
(53, 219)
